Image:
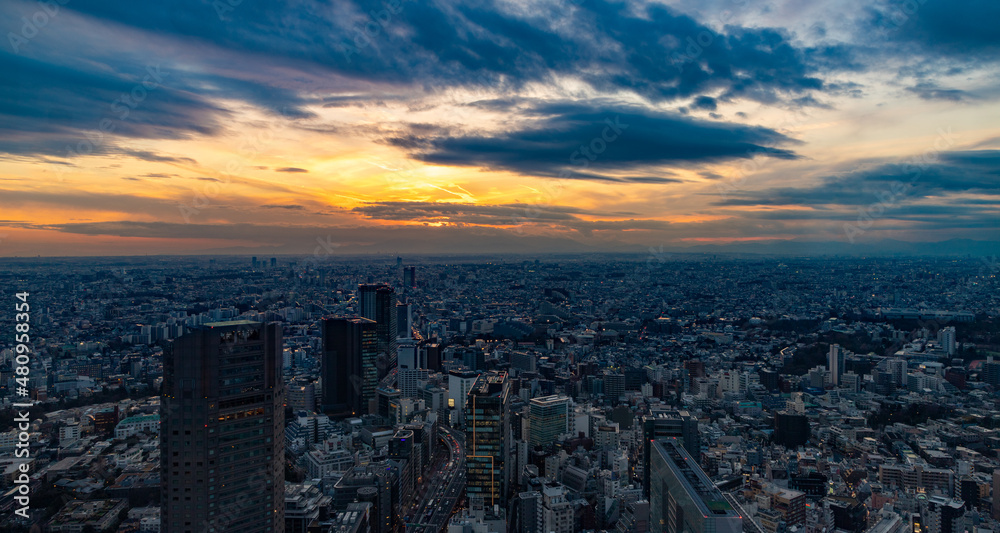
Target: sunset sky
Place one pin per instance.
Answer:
(250, 126)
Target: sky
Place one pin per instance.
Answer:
(244, 126)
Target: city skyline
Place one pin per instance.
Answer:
(568, 126)
(853, 395)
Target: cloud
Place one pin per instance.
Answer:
(704, 102)
(578, 141)
(931, 91)
(901, 183)
(290, 169)
(147, 155)
(469, 213)
(614, 46)
(58, 110)
(965, 30)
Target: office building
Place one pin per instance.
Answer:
(404, 320)
(946, 337)
(791, 430)
(221, 440)
(349, 369)
(682, 497)
(996, 494)
(460, 382)
(487, 441)
(378, 302)
(991, 372)
(940, 514)
(679, 424)
(548, 418)
(835, 364)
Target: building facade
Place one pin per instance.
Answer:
(349, 367)
(221, 440)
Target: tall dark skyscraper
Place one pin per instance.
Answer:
(222, 430)
(378, 302)
(680, 424)
(682, 497)
(791, 429)
(487, 441)
(350, 374)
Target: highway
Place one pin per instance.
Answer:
(445, 488)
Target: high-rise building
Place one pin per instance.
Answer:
(487, 441)
(897, 368)
(769, 379)
(791, 430)
(349, 369)
(614, 386)
(996, 495)
(682, 497)
(835, 364)
(378, 302)
(404, 320)
(947, 339)
(301, 395)
(409, 276)
(991, 371)
(548, 418)
(680, 424)
(531, 516)
(432, 356)
(460, 382)
(222, 422)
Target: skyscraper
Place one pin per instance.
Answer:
(350, 374)
(487, 441)
(947, 339)
(668, 424)
(222, 430)
(790, 429)
(378, 302)
(548, 417)
(683, 498)
(404, 320)
(835, 363)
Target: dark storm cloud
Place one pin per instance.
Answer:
(47, 108)
(652, 50)
(967, 29)
(570, 137)
(966, 172)
(704, 102)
